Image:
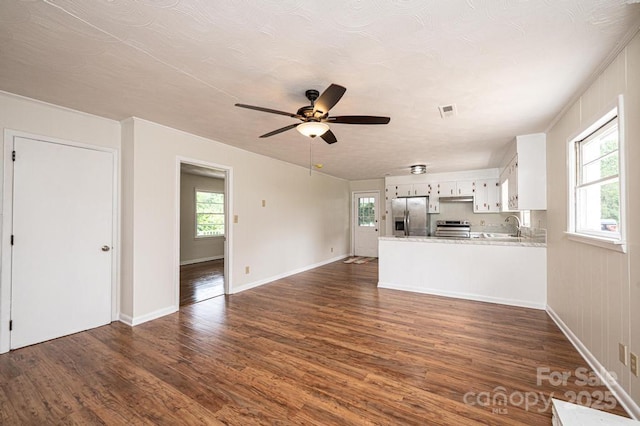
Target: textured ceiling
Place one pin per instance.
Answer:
(510, 66)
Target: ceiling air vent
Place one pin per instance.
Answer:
(447, 111)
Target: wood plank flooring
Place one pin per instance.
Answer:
(325, 347)
(201, 281)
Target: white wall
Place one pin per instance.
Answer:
(38, 118)
(194, 249)
(304, 217)
(596, 291)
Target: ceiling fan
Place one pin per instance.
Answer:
(315, 117)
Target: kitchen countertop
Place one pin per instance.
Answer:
(517, 242)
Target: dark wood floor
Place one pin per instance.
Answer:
(201, 281)
(324, 347)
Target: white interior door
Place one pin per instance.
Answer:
(365, 224)
(62, 226)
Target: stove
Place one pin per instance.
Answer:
(453, 228)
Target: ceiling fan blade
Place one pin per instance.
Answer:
(329, 137)
(358, 119)
(329, 98)
(284, 129)
(272, 111)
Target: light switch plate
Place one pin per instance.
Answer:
(633, 360)
(622, 353)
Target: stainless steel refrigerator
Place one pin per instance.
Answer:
(410, 216)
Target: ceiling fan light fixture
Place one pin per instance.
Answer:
(418, 169)
(312, 128)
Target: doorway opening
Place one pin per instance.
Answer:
(203, 229)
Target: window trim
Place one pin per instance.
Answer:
(613, 110)
(195, 213)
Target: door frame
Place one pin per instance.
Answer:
(354, 216)
(7, 224)
(228, 210)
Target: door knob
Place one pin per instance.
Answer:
(106, 248)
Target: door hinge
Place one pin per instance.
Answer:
(13, 155)
(10, 325)
(12, 240)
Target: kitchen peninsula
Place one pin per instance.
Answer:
(504, 270)
(510, 272)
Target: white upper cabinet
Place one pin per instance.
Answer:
(406, 190)
(455, 189)
(400, 190)
(389, 192)
(446, 185)
(420, 189)
(487, 196)
(464, 187)
(445, 189)
(523, 179)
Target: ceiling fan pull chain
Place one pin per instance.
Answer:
(310, 156)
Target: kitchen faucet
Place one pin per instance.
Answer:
(518, 232)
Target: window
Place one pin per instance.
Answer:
(596, 183)
(597, 188)
(366, 211)
(209, 214)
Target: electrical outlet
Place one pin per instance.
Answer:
(633, 360)
(622, 353)
(235, 218)
(246, 269)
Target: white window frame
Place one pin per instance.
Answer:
(195, 213)
(618, 244)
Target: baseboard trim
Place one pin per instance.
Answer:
(603, 374)
(466, 296)
(202, 259)
(258, 283)
(133, 321)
